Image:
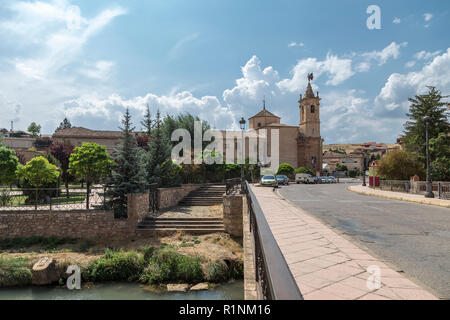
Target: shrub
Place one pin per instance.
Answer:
(304, 170)
(14, 272)
(286, 169)
(237, 269)
(166, 265)
(116, 266)
(218, 271)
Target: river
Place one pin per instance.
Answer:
(122, 291)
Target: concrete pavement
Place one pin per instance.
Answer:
(399, 196)
(324, 264)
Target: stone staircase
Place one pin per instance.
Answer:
(194, 225)
(207, 195)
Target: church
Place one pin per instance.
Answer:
(299, 145)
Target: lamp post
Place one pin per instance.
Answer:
(364, 172)
(429, 192)
(242, 124)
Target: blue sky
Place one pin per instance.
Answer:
(88, 60)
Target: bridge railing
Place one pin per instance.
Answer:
(232, 185)
(273, 277)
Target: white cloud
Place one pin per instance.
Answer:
(397, 20)
(391, 51)
(363, 67)
(101, 70)
(410, 64)
(392, 100)
(295, 44)
(336, 69)
(427, 17)
(424, 55)
(176, 49)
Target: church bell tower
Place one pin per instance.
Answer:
(310, 112)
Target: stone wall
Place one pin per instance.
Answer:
(169, 197)
(91, 225)
(232, 214)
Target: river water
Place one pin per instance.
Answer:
(122, 291)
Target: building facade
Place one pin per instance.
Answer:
(298, 145)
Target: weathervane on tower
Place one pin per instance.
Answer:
(310, 77)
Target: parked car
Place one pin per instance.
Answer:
(304, 178)
(270, 181)
(323, 180)
(316, 180)
(332, 179)
(282, 179)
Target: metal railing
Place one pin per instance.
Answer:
(233, 185)
(153, 202)
(54, 199)
(273, 276)
(441, 189)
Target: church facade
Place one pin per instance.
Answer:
(298, 145)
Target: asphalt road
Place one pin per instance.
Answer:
(414, 238)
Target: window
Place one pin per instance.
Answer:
(259, 124)
(313, 109)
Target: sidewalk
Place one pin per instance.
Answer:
(324, 264)
(399, 196)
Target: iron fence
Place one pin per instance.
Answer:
(273, 276)
(54, 199)
(153, 203)
(440, 189)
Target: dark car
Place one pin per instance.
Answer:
(316, 180)
(282, 179)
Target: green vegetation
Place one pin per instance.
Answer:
(8, 165)
(65, 124)
(34, 129)
(90, 162)
(38, 172)
(128, 174)
(429, 108)
(165, 264)
(286, 169)
(21, 243)
(400, 165)
(14, 272)
(304, 170)
(220, 271)
(116, 266)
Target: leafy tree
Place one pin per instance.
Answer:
(400, 165)
(65, 124)
(286, 169)
(440, 167)
(90, 162)
(8, 165)
(37, 172)
(159, 151)
(127, 174)
(34, 129)
(426, 106)
(341, 167)
(182, 121)
(304, 170)
(62, 153)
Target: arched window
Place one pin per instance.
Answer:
(313, 108)
(259, 124)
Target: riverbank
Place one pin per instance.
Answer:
(173, 259)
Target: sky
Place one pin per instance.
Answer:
(89, 60)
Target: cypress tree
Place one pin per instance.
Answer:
(159, 152)
(127, 174)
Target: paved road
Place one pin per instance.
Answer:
(414, 238)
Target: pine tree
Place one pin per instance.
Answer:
(425, 106)
(158, 153)
(127, 174)
(65, 124)
(147, 123)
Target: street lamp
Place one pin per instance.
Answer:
(429, 192)
(364, 171)
(242, 124)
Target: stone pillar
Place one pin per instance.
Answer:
(232, 214)
(137, 208)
